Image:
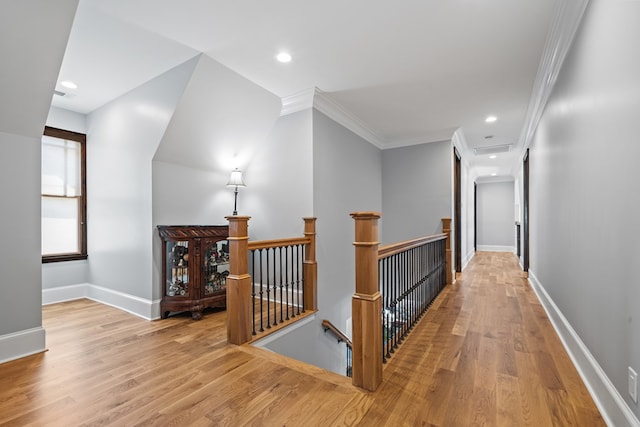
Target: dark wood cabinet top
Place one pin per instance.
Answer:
(190, 231)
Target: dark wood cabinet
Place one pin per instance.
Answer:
(195, 266)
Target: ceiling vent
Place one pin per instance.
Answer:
(493, 149)
(57, 92)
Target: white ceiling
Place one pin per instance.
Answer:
(411, 71)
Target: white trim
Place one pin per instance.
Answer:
(467, 259)
(444, 135)
(611, 404)
(321, 101)
(329, 107)
(262, 342)
(494, 179)
(297, 102)
(565, 21)
(298, 297)
(496, 248)
(64, 293)
(141, 307)
(22, 343)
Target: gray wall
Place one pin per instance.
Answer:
(122, 139)
(496, 219)
(346, 178)
(584, 190)
(31, 62)
(416, 190)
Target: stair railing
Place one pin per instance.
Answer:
(330, 327)
(271, 282)
(395, 284)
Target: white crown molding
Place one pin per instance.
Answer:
(562, 30)
(297, 102)
(327, 106)
(438, 136)
(321, 101)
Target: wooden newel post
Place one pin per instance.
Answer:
(238, 282)
(310, 266)
(446, 229)
(367, 304)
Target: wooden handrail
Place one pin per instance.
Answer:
(328, 326)
(276, 243)
(395, 248)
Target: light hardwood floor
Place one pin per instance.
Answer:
(484, 354)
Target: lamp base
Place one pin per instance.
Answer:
(235, 202)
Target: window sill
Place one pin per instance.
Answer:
(63, 257)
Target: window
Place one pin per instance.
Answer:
(64, 207)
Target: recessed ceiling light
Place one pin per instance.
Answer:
(491, 119)
(494, 174)
(69, 84)
(493, 156)
(283, 57)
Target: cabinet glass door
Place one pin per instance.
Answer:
(177, 269)
(216, 267)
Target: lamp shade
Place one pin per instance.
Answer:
(235, 180)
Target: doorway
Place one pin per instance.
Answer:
(457, 222)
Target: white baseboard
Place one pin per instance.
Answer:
(21, 344)
(141, 307)
(467, 259)
(65, 293)
(297, 295)
(494, 248)
(611, 404)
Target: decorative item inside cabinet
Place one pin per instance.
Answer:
(195, 266)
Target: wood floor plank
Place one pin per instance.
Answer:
(485, 353)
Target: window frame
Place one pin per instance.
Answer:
(82, 225)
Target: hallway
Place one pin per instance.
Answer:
(486, 354)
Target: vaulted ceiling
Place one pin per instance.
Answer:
(408, 72)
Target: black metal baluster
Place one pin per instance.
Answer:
(294, 260)
(286, 279)
(412, 288)
(268, 286)
(260, 255)
(380, 290)
(302, 272)
(425, 262)
(400, 297)
(253, 292)
(389, 298)
(281, 285)
(394, 312)
(298, 280)
(421, 277)
(275, 288)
